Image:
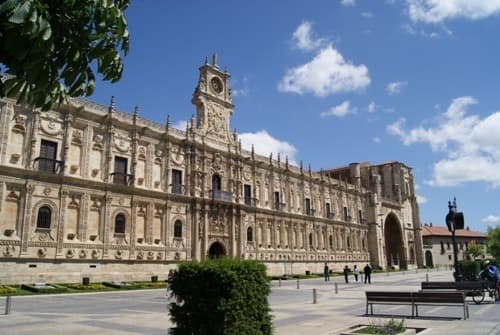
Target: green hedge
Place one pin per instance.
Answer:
(48, 288)
(221, 297)
(470, 269)
(122, 285)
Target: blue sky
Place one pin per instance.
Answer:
(333, 82)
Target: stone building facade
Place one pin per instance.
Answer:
(438, 245)
(87, 190)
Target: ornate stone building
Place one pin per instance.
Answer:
(87, 190)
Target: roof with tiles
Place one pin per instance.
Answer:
(428, 231)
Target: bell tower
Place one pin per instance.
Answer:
(212, 98)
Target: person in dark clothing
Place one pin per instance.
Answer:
(326, 272)
(368, 274)
(346, 274)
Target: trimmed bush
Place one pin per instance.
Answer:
(47, 288)
(7, 290)
(221, 297)
(122, 285)
(90, 287)
(469, 269)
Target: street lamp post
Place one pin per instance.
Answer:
(454, 221)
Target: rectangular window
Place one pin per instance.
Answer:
(176, 181)
(277, 200)
(346, 214)
(247, 194)
(308, 206)
(48, 154)
(120, 173)
(328, 211)
(360, 216)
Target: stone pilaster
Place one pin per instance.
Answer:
(62, 219)
(107, 224)
(26, 225)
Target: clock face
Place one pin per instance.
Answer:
(216, 85)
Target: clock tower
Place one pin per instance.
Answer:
(212, 98)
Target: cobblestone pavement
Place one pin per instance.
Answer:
(144, 312)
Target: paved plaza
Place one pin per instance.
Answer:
(145, 313)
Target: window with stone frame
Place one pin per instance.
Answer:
(178, 229)
(44, 218)
(120, 224)
(249, 234)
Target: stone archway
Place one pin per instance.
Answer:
(428, 259)
(216, 250)
(394, 245)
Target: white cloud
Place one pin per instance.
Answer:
(341, 110)
(326, 74)
(421, 199)
(181, 125)
(303, 39)
(241, 92)
(471, 145)
(264, 144)
(437, 11)
(491, 218)
(367, 15)
(376, 140)
(372, 107)
(395, 87)
(347, 3)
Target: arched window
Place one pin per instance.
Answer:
(249, 234)
(330, 239)
(120, 224)
(44, 217)
(310, 240)
(178, 229)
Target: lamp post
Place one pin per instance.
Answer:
(454, 221)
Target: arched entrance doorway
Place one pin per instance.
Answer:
(216, 250)
(428, 259)
(394, 245)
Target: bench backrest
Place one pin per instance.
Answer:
(438, 285)
(389, 296)
(439, 297)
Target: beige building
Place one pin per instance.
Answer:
(87, 190)
(438, 244)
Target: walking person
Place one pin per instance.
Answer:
(368, 274)
(346, 274)
(169, 280)
(326, 272)
(356, 273)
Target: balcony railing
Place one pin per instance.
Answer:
(310, 211)
(252, 202)
(48, 165)
(330, 216)
(221, 195)
(122, 178)
(177, 189)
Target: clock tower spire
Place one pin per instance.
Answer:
(212, 98)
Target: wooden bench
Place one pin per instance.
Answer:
(414, 299)
(474, 289)
(441, 298)
(388, 298)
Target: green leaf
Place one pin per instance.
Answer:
(7, 6)
(20, 13)
(47, 34)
